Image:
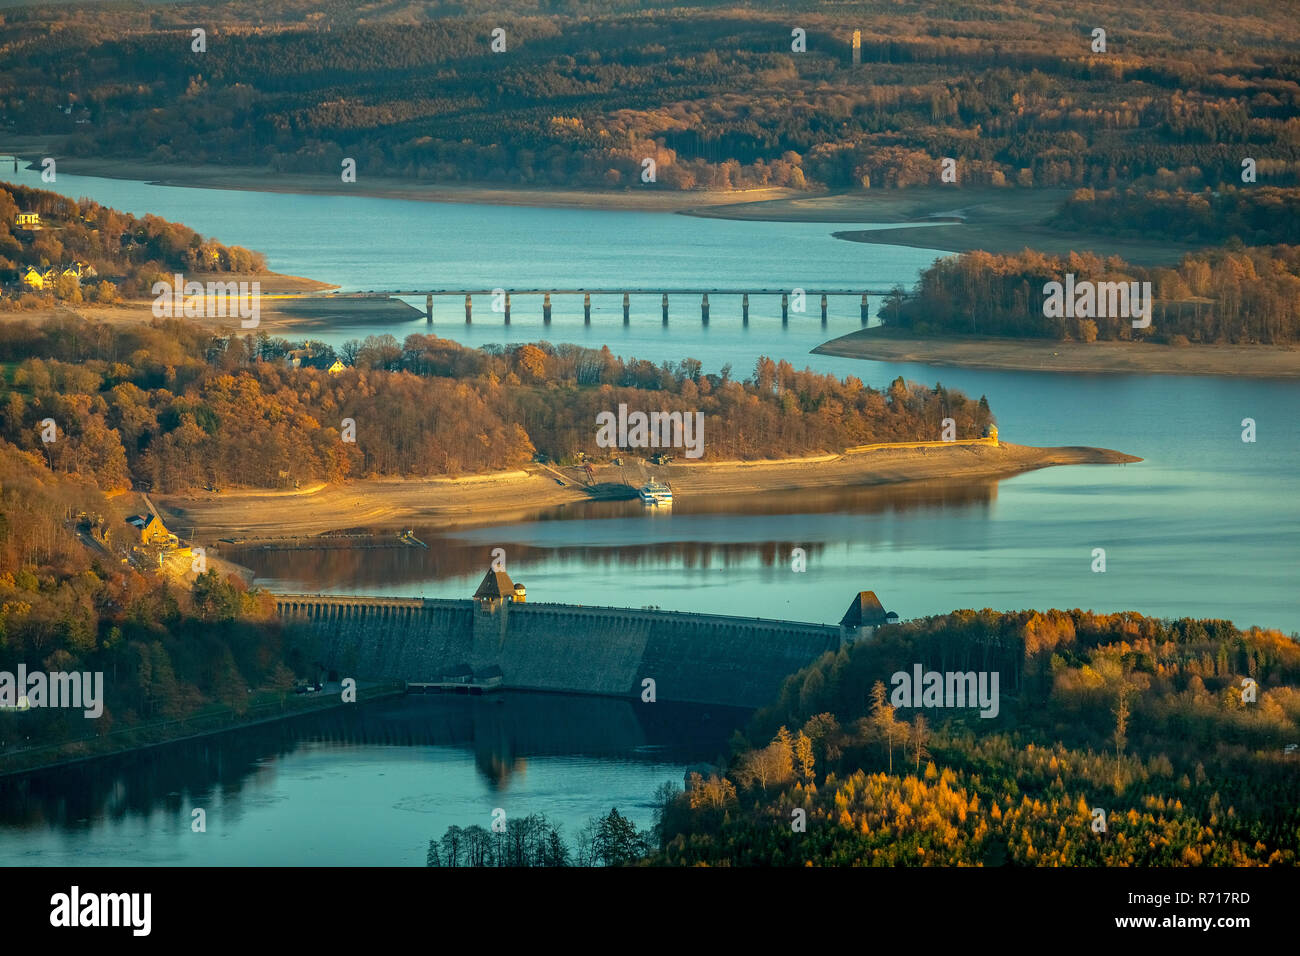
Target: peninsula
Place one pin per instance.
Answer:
(396, 503)
(1045, 355)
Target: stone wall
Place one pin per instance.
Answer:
(696, 658)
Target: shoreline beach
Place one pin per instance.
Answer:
(292, 306)
(442, 503)
(950, 219)
(255, 179)
(1042, 355)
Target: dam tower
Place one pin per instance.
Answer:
(492, 603)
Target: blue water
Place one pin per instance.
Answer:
(1205, 526)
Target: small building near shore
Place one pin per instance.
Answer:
(28, 220)
(152, 531)
(460, 673)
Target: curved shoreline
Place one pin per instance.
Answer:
(946, 219)
(479, 500)
(1036, 355)
(258, 179)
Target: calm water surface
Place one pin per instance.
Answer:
(1205, 526)
(366, 785)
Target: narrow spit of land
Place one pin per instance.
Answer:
(1041, 355)
(288, 305)
(392, 504)
(955, 219)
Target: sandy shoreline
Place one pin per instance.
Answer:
(1134, 358)
(386, 504)
(289, 305)
(956, 218)
(256, 179)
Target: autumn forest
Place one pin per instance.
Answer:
(584, 90)
(169, 406)
(1162, 137)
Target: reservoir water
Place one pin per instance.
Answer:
(1205, 526)
(367, 785)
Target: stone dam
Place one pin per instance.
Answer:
(496, 637)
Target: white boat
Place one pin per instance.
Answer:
(656, 493)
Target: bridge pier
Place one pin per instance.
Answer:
(586, 308)
(507, 308)
(428, 309)
(864, 308)
(785, 308)
(468, 308)
(665, 305)
(823, 308)
(744, 309)
(627, 308)
(704, 309)
(546, 308)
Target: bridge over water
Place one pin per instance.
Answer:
(503, 297)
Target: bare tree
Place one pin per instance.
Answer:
(920, 737)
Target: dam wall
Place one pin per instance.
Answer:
(692, 658)
(407, 639)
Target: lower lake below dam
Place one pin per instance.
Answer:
(364, 785)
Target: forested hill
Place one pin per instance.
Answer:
(584, 91)
(126, 252)
(1149, 722)
(1233, 295)
(1118, 740)
(67, 604)
(170, 406)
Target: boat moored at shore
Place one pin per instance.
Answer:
(656, 493)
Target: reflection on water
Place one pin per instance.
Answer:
(924, 548)
(635, 535)
(1206, 526)
(448, 760)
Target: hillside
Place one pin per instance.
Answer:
(1117, 740)
(721, 97)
